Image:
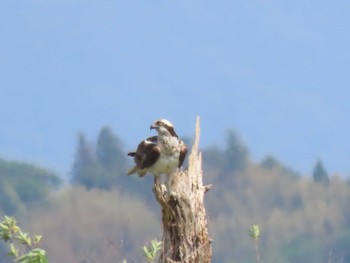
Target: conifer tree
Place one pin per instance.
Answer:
(237, 154)
(100, 164)
(109, 151)
(320, 174)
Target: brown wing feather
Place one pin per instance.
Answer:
(150, 155)
(183, 152)
(147, 153)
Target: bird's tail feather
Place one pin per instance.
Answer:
(132, 170)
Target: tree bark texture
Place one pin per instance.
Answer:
(185, 232)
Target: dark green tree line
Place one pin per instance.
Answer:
(100, 164)
(24, 184)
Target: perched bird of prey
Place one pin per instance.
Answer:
(161, 154)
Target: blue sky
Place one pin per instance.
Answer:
(275, 71)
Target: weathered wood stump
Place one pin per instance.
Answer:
(185, 232)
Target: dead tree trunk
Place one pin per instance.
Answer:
(185, 232)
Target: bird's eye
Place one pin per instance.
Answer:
(159, 123)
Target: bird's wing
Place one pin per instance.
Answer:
(183, 152)
(147, 153)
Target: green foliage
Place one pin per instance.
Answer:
(150, 252)
(102, 166)
(320, 174)
(234, 158)
(22, 183)
(84, 163)
(236, 153)
(254, 232)
(36, 255)
(109, 151)
(9, 198)
(272, 163)
(11, 233)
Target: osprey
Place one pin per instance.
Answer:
(161, 154)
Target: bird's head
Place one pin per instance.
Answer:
(164, 127)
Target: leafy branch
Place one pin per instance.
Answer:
(152, 250)
(19, 241)
(254, 233)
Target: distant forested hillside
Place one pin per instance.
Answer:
(102, 215)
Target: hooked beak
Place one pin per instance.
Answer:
(153, 126)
